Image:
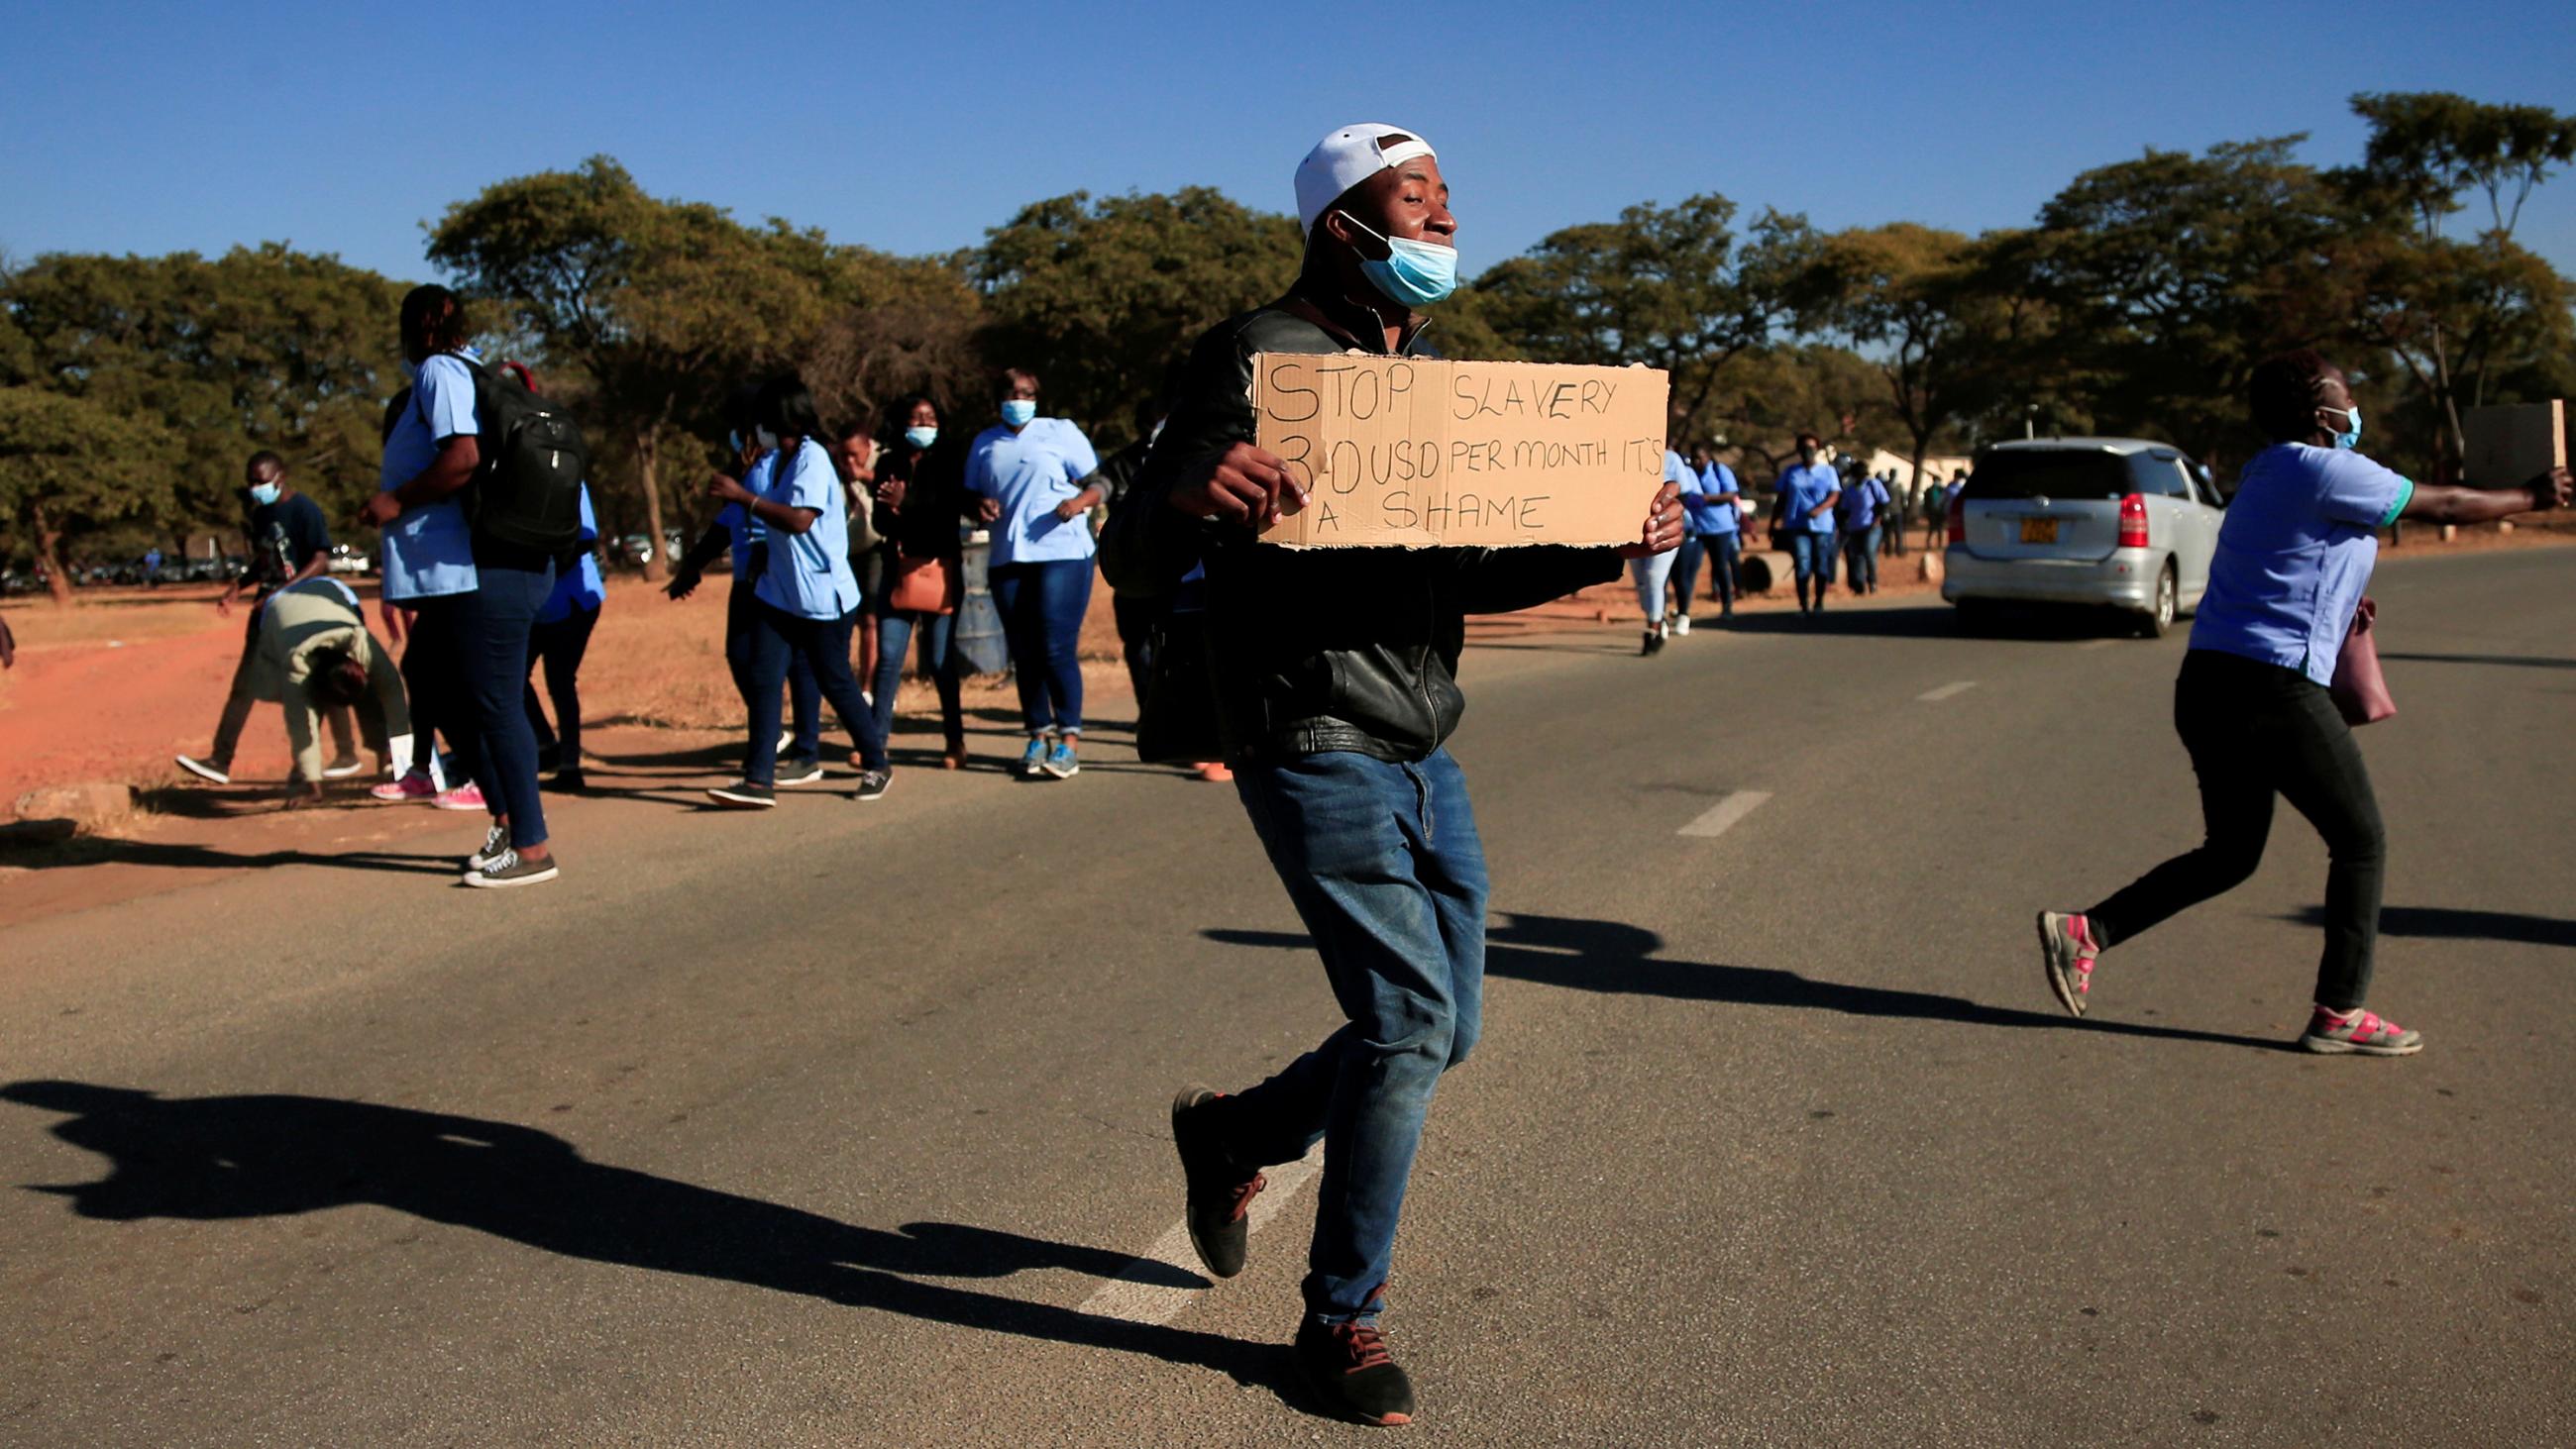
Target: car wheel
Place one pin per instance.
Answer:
(2159, 618)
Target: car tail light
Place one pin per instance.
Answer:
(2133, 521)
(1958, 518)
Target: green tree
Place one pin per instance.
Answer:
(67, 464)
(2458, 314)
(896, 326)
(662, 305)
(1671, 287)
(1100, 297)
(263, 347)
(2174, 274)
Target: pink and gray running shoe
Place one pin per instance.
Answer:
(2364, 1033)
(2066, 948)
(414, 786)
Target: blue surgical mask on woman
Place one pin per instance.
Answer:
(1415, 273)
(921, 437)
(265, 494)
(1019, 411)
(2350, 437)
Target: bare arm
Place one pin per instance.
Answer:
(2485, 505)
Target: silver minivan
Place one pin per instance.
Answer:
(2117, 522)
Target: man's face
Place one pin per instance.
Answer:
(262, 472)
(1411, 201)
(858, 451)
(1807, 452)
(2334, 395)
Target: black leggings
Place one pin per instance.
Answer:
(2255, 731)
(559, 647)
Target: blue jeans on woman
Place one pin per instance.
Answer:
(895, 632)
(491, 625)
(1042, 605)
(1812, 556)
(1860, 558)
(1384, 866)
(1727, 550)
(824, 644)
(804, 699)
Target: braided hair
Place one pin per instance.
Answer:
(2285, 392)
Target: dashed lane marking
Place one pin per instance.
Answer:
(1127, 1297)
(1716, 820)
(1947, 691)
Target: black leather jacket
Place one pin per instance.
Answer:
(1327, 648)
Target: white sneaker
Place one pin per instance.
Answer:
(342, 769)
(1681, 625)
(202, 770)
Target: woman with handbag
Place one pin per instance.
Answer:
(920, 507)
(2257, 705)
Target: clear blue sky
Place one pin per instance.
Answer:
(153, 128)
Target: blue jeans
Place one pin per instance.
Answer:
(1860, 557)
(895, 633)
(1728, 548)
(1696, 547)
(804, 699)
(1809, 554)
(492, 622)
(824, 644)
(1383, 865)
(1042, 605)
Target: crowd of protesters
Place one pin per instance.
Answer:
(1312, 694)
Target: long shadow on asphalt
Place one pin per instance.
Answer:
(2447, 923)
(221, 1158)
(89, 850)
(1616, 957)
(1938, 621)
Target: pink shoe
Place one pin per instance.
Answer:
(468, 796)
(411, 787)
(2066, 948)
(2364, 1032)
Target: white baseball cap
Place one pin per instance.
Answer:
(1346, 158)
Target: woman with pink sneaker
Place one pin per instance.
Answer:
(2253, 704)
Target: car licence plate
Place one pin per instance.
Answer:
(2039, 530)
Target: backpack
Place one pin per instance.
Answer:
(527, 490)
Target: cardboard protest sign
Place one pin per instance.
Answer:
(1419, 451)
(2510, 446)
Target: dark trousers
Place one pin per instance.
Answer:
(1720, 551)
(492, 625)
(559, 646)
(434, 682)
(824, 644)
(1136, 621)
(2255, 731)
(896, 629)
(1860, 558)
(804, 699)
(239, 699)
(1042, 605)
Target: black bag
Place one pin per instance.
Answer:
(1176, 724)
(527, 491)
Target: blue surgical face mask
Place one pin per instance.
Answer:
(265, 494)
(1019, 411)
(1415, 273)
(921, 437)
(2350, 437)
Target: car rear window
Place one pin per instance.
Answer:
(2051, 473)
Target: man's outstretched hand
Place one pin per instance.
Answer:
(1662, 531)
(1247, 486)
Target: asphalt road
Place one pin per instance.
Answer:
(844, 1124)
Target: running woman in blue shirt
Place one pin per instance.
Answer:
(2253, 705)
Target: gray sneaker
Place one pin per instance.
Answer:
(219, 772)
(496, 843)
(510, 868)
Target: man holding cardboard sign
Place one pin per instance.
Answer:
(1333, 676)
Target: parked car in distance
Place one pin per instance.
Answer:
(2122, 523)
(350, 559)
(635, 549)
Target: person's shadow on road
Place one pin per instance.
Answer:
(1614, 956)
(263, 1156)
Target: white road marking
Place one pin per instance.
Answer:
(2092, 644)
(1124, 1297)
(1935, 696)
(1718, 817)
